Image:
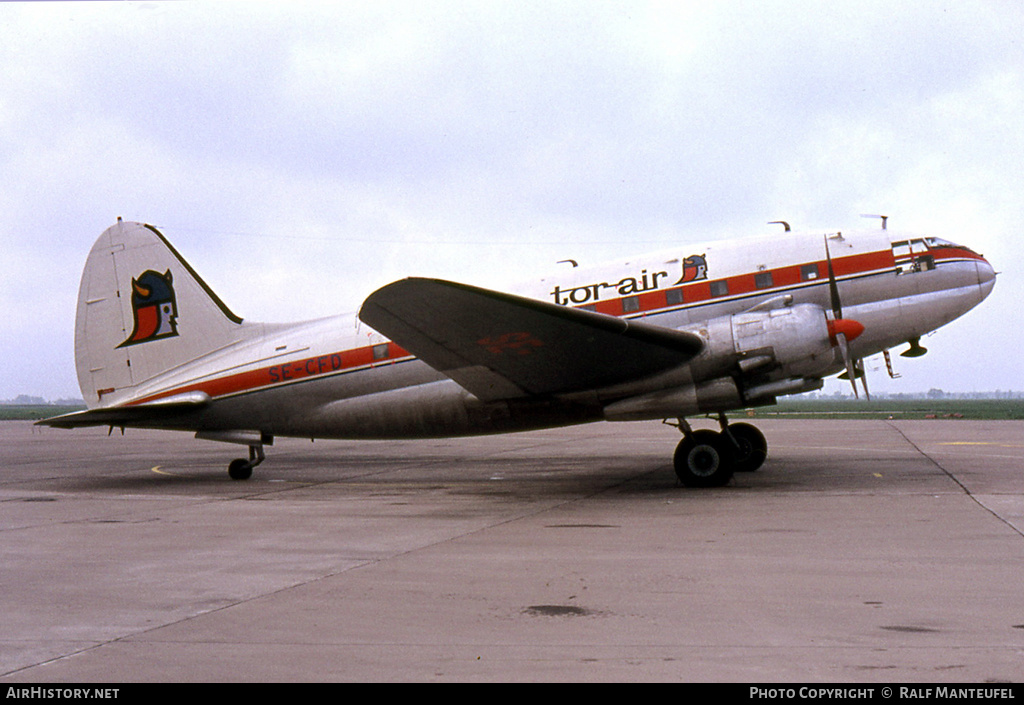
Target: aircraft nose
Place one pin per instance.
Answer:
(986, 277)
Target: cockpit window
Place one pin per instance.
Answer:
(915, 255)
(934, 243)
(908, 246)
(912, 255)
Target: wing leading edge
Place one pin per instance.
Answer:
(501, 346)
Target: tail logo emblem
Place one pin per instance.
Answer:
(153, 307)
(695, 268)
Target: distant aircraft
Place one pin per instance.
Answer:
(698, 330)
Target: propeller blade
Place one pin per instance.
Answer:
(842, 331)
(844, 349)
(864, 378)
(833, 285)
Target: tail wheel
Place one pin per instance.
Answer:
(750, 446)
(704, 459)
(240, 469)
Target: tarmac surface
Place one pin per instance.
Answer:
(864, 551)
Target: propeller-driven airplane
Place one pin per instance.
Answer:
(698, 330)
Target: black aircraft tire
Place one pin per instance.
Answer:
(704, 459)
(240, 469)
(753, 447)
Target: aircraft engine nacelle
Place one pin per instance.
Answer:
(749, 358)
(685, 400)
(790, 341)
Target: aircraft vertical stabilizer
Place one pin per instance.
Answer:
(142, 310)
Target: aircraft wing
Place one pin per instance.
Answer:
(133, 415)
(500, 346)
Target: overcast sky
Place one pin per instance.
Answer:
(302, 154)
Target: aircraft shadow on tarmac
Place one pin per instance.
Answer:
(526, 477)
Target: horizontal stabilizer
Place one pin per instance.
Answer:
(135, 415)
(500, 346)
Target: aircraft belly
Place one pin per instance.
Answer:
(405, 400)
(288, 409)
(434, 410)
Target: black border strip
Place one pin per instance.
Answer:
(209, 292)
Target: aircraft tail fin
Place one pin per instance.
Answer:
(142, 312)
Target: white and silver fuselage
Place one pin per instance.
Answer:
(335, 378)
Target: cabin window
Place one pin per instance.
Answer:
(630, 304)
(808, 272)
(763, 280)
(719, 288)
(380, 352)
(673, 297)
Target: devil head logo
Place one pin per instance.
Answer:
(153, 307)
(695, 267)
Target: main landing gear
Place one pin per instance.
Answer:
(706, 458)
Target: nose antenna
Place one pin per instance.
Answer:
(883, 217)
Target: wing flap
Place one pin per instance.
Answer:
(501, 346)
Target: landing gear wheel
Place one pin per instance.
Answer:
(704, 459)
(750, 447)
(240, 469)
